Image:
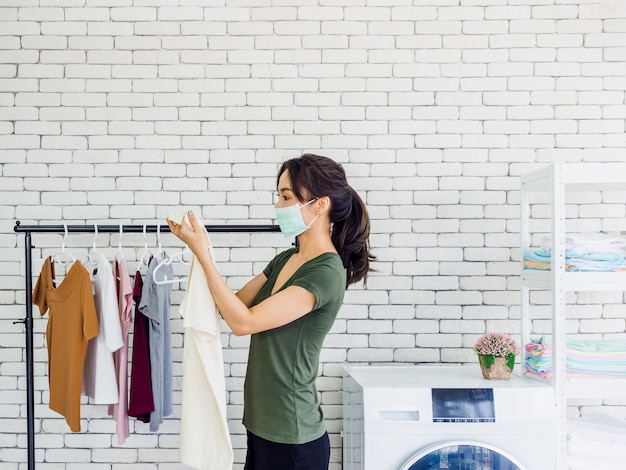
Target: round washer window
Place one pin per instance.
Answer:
(462, 455)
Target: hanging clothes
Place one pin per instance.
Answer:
(125, 303)
(204, 437)
(100, 378)
(155, 305)
(141, 400)
(72, 322)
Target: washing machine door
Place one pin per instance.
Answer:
(462, 455)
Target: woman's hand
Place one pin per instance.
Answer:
(279, 309)
(192, 234)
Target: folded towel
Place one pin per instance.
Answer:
(594, 252)
(583, 358)
(588, 242)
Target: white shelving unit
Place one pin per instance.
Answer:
(556, 180)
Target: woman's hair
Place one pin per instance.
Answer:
(314, 176)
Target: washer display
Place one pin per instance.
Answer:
(445, 417)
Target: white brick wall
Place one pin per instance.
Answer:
(117, 111)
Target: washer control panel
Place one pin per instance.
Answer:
(463, 405)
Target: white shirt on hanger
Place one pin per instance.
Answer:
(99, 376)
(204, 436)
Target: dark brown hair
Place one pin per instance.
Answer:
(314, 176)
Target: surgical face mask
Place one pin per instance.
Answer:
(290, 220)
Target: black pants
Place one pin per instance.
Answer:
(266, 455)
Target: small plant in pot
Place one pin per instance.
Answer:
(496, 355)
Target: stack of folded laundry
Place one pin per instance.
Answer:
(596, 441)
(583, 252)
(591, 358)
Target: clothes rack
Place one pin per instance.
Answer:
(27, 230)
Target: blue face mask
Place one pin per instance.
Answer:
(290, 220)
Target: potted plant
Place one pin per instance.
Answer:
(496, 355)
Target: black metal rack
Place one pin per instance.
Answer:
(27, 230)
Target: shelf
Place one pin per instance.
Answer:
(557, 179)
(576, 281)
(596, 387)
(579, 177)
(589, 387)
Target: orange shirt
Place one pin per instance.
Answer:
(72, 322)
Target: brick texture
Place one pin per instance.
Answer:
(120, 111)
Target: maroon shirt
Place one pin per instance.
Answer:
(141, 401)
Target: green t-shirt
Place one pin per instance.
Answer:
(281, 402)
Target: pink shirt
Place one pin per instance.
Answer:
(126, 303)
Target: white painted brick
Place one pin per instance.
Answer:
(602, 326)
(9, 14)
(84, 13)
(393, 312)
(408, 239)
(426, 196)
(19, 142)
(43, 128)
(84, 128)
(462, 298)
(483, 283)
(462, 183)
(41, 14)
(391, 341)
(482, 197)
(16, 85)
(461, 240)
(109, 142)
(389, 197)
(202, 198)
(356, 355)
(120, 31)
(63, 28)
(68, 455)
(158, 142)
(484, 226)
(500, 297)
(7, 99)
(139, 14)
(416, 355)
(70, 170)
(471, 312)
(230, 184)
(439, 340)
(465, 211)
(86, 212)
(411, 297)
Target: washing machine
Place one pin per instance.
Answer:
(445, 417)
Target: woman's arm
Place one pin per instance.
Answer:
(249, 291)
(278, 310)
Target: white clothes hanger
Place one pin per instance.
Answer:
(168, 260)
(63, 257)
(93, 256)
(120, 253)
(179, 218)
(161, 252)
(119, 256)
(145, 257)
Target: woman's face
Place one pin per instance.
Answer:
(286, 197)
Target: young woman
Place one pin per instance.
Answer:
(290, 307)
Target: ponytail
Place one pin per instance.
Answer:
(351, 239)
